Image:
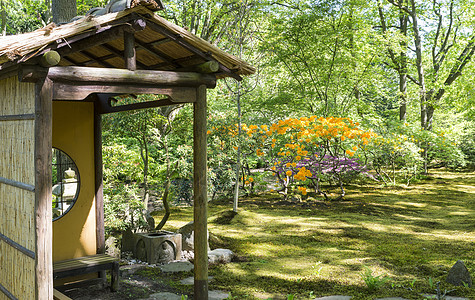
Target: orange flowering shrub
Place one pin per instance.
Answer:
(311, 150)
(299, 152)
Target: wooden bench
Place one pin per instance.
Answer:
(87, 265)
(57, 295)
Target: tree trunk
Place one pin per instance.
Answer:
(63, 10)
(399, 61)
(403, 19)
(238, 159)
(166, 206)
(402, 97)
(145, 159)
(3, 26)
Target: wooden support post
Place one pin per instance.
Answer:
(43, 189)
(200, 202)
(115, 277)
(99, 199)
(130, 55)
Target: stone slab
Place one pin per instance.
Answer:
(191, 280)
(178, 266)
(446, 297)
(337, 297)
(164, 296)
(212, 295)
(128, 270)
(217, 295)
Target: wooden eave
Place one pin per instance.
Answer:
(157, 44)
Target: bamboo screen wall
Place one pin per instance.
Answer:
(17, 196)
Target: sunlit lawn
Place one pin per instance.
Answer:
(317, 248)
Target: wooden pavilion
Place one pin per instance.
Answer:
(55, 83)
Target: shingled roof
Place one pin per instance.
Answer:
(98, 41)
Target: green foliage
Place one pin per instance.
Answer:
(373, 282)
(121, 164)
(83, 6)
(321, 58)
(122, 201)
(24, 15)
(123, 208)
(317, 269)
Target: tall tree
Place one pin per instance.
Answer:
(451, 47)
(63, 10)
(398, 57)
(237, 36)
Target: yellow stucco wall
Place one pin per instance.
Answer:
(74, 234)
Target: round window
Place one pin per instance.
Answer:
(65, 183)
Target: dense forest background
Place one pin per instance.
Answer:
(403, 69)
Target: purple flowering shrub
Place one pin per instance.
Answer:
(318, 170)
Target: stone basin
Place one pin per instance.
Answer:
(156, 247)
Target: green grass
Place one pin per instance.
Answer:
(409, 234)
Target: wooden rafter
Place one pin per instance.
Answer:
(179, 61)
(120, 54)
(160, 42)
(179, 40)
(94, 58)
(73, 61)
(157, 53)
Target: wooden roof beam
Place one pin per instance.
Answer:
(81, 91)
(107, 109)
(121, 76)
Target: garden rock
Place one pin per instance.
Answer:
(178, 266)
(458, 275)
(187, 237)
(223, 256)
